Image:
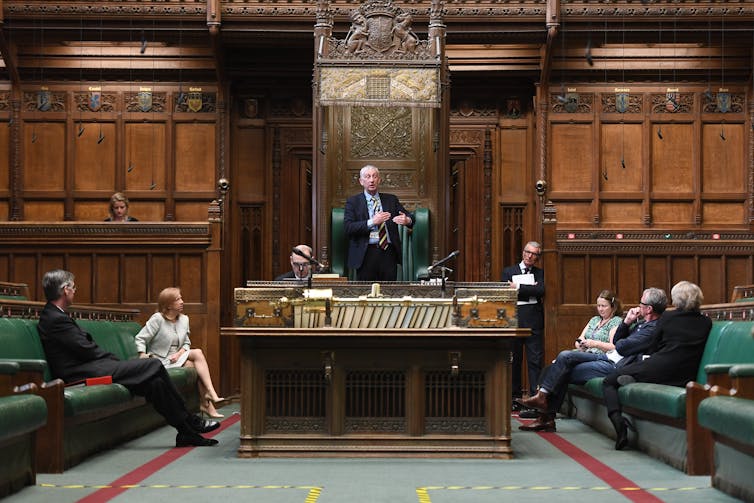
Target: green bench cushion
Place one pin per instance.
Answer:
(20, 414)
(116, 337)
(669, 401)
(19, 340)
(594, 386)
(84, 399)
(729, 416)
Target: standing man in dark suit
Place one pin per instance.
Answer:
(529, 280)
(371, 221)
(74, 356)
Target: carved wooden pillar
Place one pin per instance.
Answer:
(551, 265)
(320, 195)
(16, 167)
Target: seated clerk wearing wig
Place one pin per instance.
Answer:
(595, 356)
(74, 356)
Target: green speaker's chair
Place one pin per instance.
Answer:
(414, 244)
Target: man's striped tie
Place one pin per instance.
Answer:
(382, 230)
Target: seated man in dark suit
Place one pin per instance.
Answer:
(74, 356)
(301, 268)
(371, 221)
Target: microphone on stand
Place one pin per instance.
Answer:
(441, 262)
(311, 260)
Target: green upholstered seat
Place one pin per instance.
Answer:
(415, 246)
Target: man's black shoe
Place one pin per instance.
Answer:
(515, 406)
(193, 440)
(529, 414)
(200, 425)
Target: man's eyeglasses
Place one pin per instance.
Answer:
(70, 287)
(643, 304)
(533, 254)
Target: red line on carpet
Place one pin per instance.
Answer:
(623, 485)
(136, 476)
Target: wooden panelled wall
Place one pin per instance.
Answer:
(683, 164)
(645, 198)
(72, 145)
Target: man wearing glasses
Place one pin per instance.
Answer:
(301, 268)
(529, 280)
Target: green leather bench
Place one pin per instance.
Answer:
(731, 421)
(21, 415)
(87, 419)
(415, 246)
(665, 421)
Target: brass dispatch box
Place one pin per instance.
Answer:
(274, 305)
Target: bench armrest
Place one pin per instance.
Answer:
(9, 367)
(698, 439)
(742, 380)
(717, 374)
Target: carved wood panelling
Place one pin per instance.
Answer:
(678, 169)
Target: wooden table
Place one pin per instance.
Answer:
(375, 392)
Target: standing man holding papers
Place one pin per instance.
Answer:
(529, 280)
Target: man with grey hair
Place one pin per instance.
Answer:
(529, 281)
(371, 221)
(73, 356)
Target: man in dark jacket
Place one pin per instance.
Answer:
(73, 356)
(371, 221)
(529, 281)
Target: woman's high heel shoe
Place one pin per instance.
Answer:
(204, 408)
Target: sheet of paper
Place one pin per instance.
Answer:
(523, 279)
